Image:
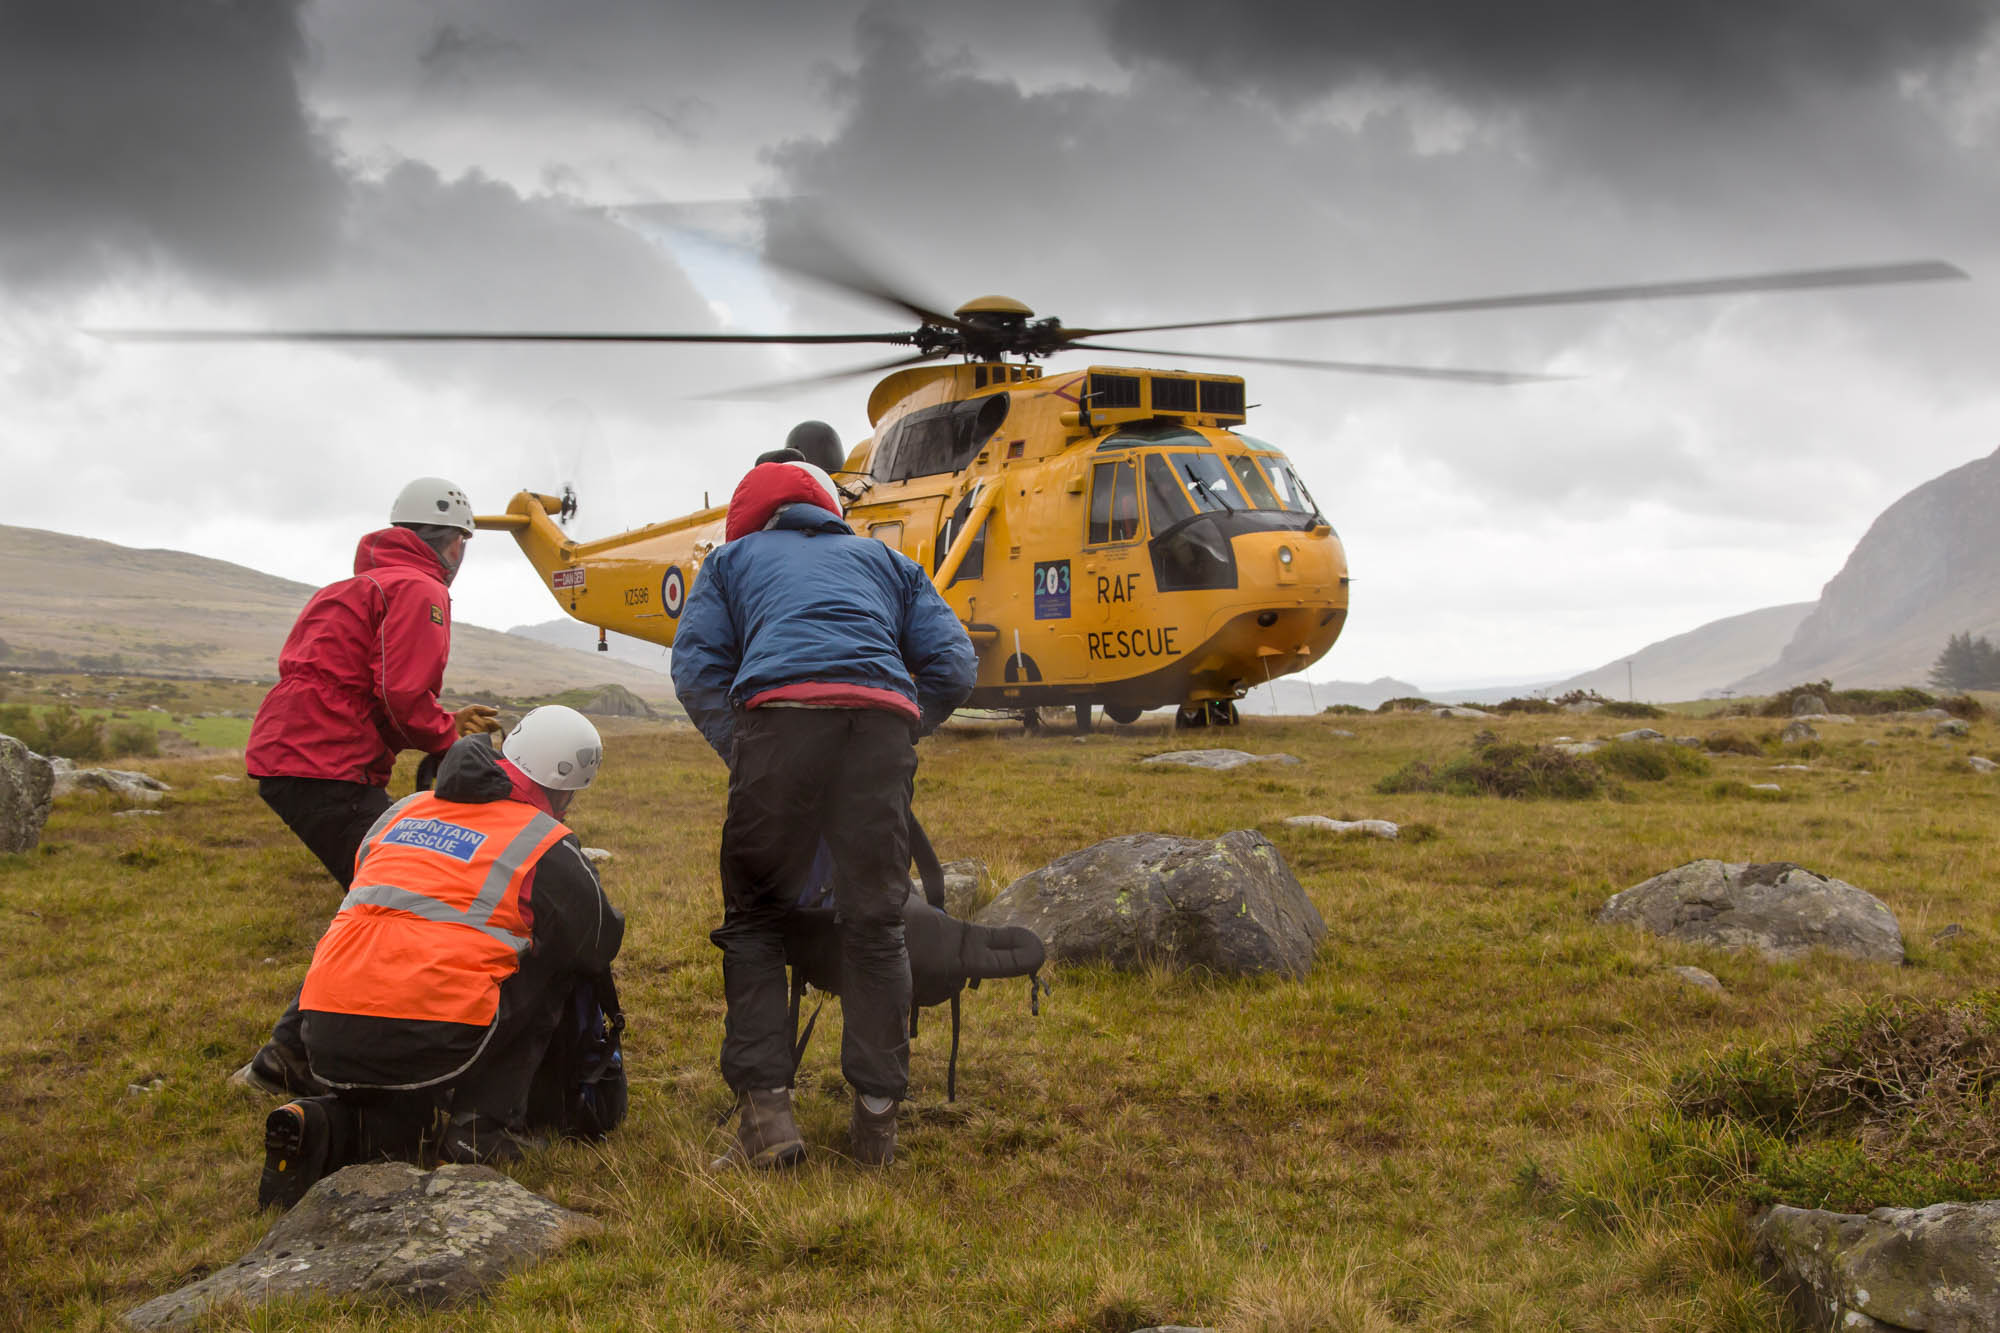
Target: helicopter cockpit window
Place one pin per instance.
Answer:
(1166, 498)
(1207, 483)
(1114, 502)
(939, 439)
(1253, 481)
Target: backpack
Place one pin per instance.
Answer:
(946, 954)
(579, 1089)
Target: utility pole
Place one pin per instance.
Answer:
(1629, 698)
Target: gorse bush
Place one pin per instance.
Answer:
(1403, 704)
(1502, 768)
(59, 731)
(1627, 708)
(1649, 761)
(1730, 742)
(1892, 1103)
(1858, 703)
(1518, 705)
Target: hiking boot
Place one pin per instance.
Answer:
(476, 1139)
(766, 1135)
(872, 1134)
(297, 1148)
(279, 1072)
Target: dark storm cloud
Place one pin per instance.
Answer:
(169, 129)
(1701, 51)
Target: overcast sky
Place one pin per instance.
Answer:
(450, 163)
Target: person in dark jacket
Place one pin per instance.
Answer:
(358, 682)
(472, 916)
(812, 659)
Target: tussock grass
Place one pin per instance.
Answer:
(1460, 1119)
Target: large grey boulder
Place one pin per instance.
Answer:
(390, 1231)
(1778, 909)
(27, 789)
(1806, 704)
(1798, 731)
(615, 701)
(1228, 905)
(1935, 1268)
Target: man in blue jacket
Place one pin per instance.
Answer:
(812, 659)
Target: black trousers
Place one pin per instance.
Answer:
(800, 774)
(330, 818)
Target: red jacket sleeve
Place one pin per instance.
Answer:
(410, 658)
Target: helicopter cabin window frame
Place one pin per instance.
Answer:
(1114, 518)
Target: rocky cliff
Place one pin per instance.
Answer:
(1928, 568)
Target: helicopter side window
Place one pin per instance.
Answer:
(940, 439)
(1253, 481)
(1291, 492)
(1114, 502)
(1166, 499)
(1188, 549)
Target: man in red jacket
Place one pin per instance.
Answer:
(358, 682)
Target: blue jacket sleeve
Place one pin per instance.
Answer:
(707, 655)
(935, 649)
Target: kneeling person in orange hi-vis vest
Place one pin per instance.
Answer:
(434, 994)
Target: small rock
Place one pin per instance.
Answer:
(1931, 713)
(1765, 786)
(225, 777)
(1791, 768)
(1691, 742)
(1798, 731)
(1950, 932)
(1641, 734)
(127, 814)
(596, 855)
(1979, 765)
(966, 885)
(1219, 759)
(1454, 710)
(1581, 747)
(1582, 706)
(1871, 741)
(1696, 976)
(1951, 726)
(1374, 828)
(1343, 735)
(151, 1085)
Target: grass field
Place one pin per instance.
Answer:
(1455, 1122)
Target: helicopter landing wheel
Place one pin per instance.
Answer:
(1123, 715)
(1222, 713)
(1191, 716)
(1083, 719)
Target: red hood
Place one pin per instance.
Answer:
(767, 488)
(396, 546)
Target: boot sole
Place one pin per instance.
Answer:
(289, 1170)
(780, 1156)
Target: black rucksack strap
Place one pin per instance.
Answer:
(951, 1069)
(800, 1040)
(928, 867)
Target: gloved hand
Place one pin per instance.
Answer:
(476, 717)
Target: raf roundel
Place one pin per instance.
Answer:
(673, 591)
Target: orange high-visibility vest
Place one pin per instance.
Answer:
(433, 923)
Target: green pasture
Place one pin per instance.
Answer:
(1460, 1120)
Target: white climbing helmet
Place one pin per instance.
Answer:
(432, 500)
(818, 474)
(556, 747)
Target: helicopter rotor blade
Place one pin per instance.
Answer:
(1867, 275)
(812, 251)
(1444, 373)
(809, 381)
(461, 336)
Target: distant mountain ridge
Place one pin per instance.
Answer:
(89, 604)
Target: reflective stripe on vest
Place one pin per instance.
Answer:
(434, 922)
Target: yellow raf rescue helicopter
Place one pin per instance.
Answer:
(1108, 536)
